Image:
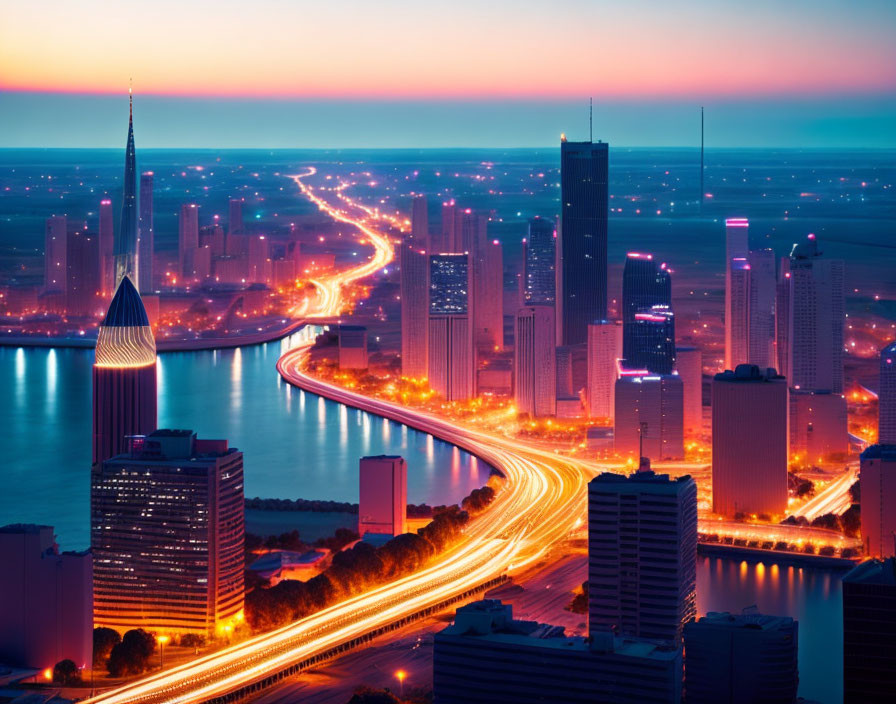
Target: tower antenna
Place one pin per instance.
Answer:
(131, 97)
(590, 119)
(701, 159)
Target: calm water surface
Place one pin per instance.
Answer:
(299, 445)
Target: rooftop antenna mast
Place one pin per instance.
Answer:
(701, 159)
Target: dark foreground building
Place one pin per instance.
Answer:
(741, 659)
(487, 657)
(869, 633)
(167, 534)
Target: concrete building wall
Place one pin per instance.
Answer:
(383, 495)
(878, 505)
(535, 390)
(604, 351)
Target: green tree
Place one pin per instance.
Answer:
(66, 673)
(131, 656)
(104, 639)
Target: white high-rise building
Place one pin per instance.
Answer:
(534, 373)
(737, 313)
(749, 442)
(604, 351)
(642, 554)
(815, 320)
(762, 308)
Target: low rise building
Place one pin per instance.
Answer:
(488, 657)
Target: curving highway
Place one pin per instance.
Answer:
(540, 504)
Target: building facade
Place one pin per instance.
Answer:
(46, 613)
(737, 313)
(488, 657)
(689, 365)
(604, 353)
(188, 241)
(383, 504)
(749, 442)
(534, 358)
(642, 554)
(649, 409)
(886, 421)
(584, 214)
(869, 633)
(878, 500)
(124, 375)
(167, 535)
(741, 659)
(451, 366)
(539, 263)
(146, 239)
(414, 271)
(818, 427)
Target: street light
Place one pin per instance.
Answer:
(162, 640)
(401, 674)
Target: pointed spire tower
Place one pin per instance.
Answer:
(125, 254)
(124, 375)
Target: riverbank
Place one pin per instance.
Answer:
(211, 343)
(780, 557)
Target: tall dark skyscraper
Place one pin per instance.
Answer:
(126, 242)
(539, 263)
(146, 244)
(124, 375)
(584, 203)
(653, 340)
(645, 284)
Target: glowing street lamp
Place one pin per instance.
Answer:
(401, 674)
(162, 640)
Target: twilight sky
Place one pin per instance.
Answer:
(342, 73)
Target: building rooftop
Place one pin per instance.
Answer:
(126, 309)
(491, 620)
(746, 373)
(755, 621)
(643, 478)
(887, 453)
(24, 528)
(881, 572)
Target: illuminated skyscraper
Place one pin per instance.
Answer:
(534, 358)
(642, 554)
(604, 351)
(84, 284)
(539, 263)
(649, 415)
(125, 254)
(815, 319)
(749, 442)
(382, 508)
(886, 422)
(737, 313)
(107, 247)
(584, 214)
(782, 318)
(644, 285)
(124, 375)
(188, 240)
(414, 271)
(451, 367)
(146, 241)
(55, 260)
(878, 504)
(762, 308)
(167, 535)
(652, 337)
